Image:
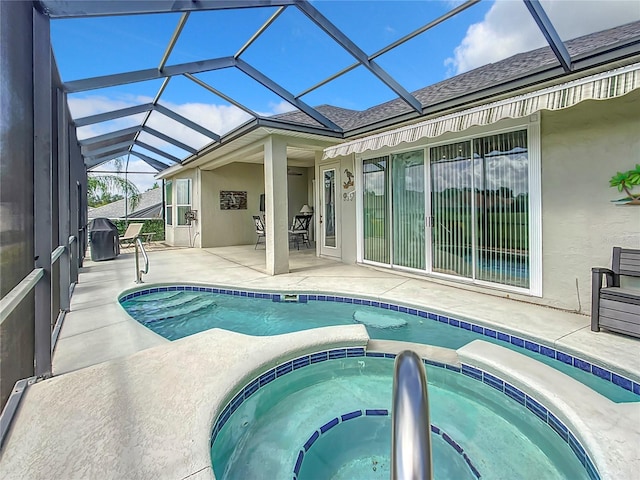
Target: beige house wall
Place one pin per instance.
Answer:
(582, 148)
(222, 228)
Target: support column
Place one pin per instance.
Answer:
(276, 205)
(63, 199)
(42, 189)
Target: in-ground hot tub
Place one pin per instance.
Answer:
(326, 415)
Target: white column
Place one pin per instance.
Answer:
(276, 205)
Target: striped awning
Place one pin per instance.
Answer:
(603, 86)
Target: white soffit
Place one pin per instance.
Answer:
(603, 86)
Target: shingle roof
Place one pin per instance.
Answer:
(503, 71)
(150, 203)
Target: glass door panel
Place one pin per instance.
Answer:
(502, 165)
(408, 209)
(329, 208)
(375, 207)
(452, 199)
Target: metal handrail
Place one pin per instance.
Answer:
(11, 300)
(57, 253)
(72, 239)
(411, 427)
(140, 247)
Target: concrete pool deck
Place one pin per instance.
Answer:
(118, 408)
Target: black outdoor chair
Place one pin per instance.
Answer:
(260, 232)
(300, 230)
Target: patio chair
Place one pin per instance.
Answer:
(259, 229)
(299, 231)
(133, 231)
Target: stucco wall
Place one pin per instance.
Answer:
(347, 197)
(221, 228)
(298, 190)
(582, 147)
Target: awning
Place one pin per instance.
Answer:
(603, 86)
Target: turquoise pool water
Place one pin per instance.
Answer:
(177, 314)
(500, 437)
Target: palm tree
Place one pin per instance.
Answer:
(107, 188)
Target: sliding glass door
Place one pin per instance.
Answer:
(375, 203)
(408, 212)
(480, 209)
(452, 195)
(502, 172)
(469, 220)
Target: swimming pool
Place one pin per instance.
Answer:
(178, 311)
(319, 417)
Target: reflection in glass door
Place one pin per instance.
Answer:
(375, 203)
(451, 209)
(330, 216)
(480, 209)
(407, 170)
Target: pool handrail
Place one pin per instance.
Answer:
(410, 424)
(140, 247)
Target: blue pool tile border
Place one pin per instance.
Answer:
(378, 412)
(571, 360)
(512, 392)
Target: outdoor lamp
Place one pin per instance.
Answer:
(306, 210)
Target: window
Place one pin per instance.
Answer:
(183, 199)
(168, 200)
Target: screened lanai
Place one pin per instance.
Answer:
(164, 84)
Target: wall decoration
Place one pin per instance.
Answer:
(233, 200)
(349, 183)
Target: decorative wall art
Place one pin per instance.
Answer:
(231, 200)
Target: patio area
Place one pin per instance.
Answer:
(97, 329)
(126, 403)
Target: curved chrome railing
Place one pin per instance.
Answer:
(139, 273)
(411, 427)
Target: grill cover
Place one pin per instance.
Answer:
(105, 241)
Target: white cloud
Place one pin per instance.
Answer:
(508, 28)
(280, 107)
(219, 119)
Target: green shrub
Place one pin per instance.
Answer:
(155, 225)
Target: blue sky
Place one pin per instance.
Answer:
(297, 54)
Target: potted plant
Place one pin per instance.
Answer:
(627, 181)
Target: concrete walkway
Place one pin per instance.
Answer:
(126, 403)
